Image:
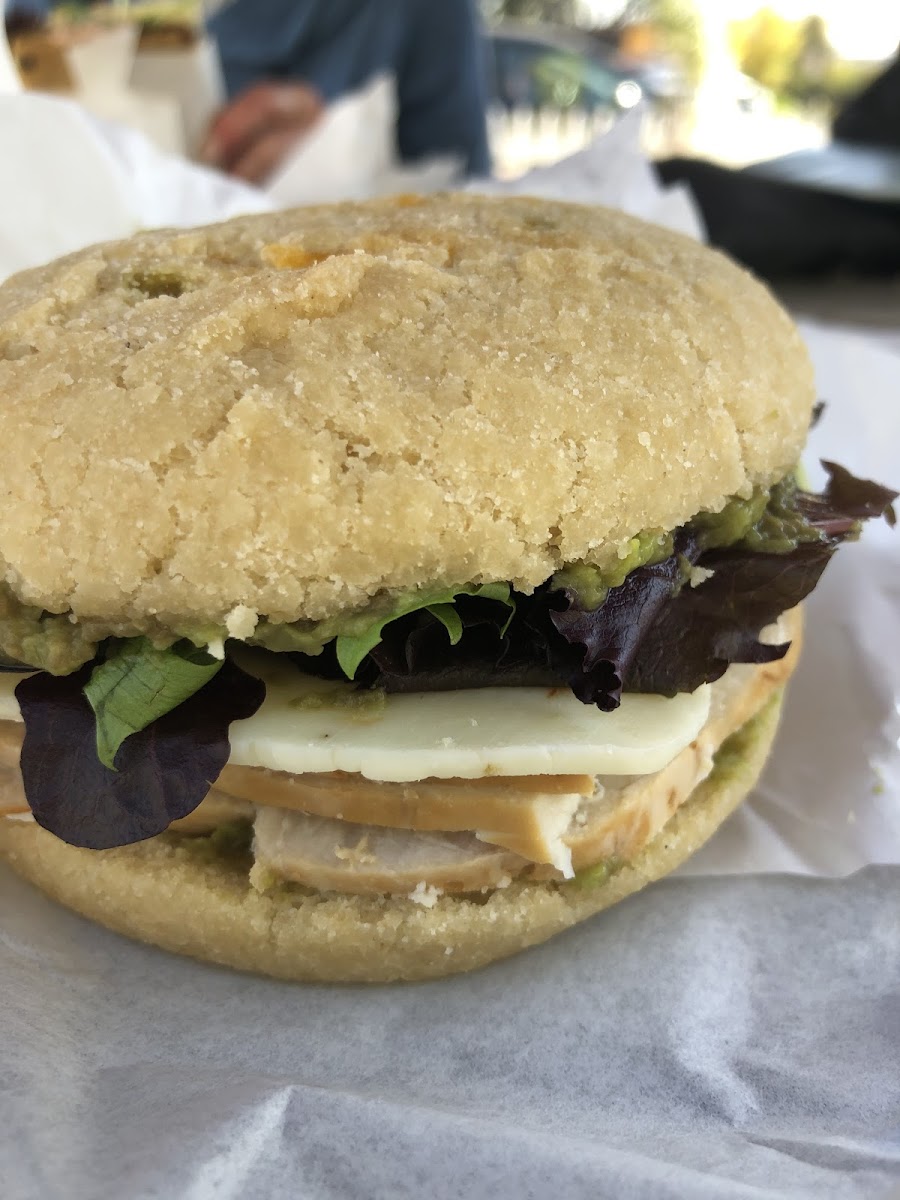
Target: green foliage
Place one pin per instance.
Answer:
(674, 24)
(794, 59)
(353, 646)
(766, 46)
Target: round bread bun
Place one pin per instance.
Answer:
(299, 410)
(172, 892)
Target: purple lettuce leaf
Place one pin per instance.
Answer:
(654, 632)
(614, 634)
(415, 656)
(704, 629)
(644, 638)
(849, 496)
(162, 772)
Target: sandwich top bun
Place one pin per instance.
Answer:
(289, 413)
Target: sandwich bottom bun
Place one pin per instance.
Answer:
(174, 892)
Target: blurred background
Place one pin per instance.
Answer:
(731, 80)
(782, 120)
(734, 81)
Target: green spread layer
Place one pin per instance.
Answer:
(60, 645)
(29, 635)
(591, 583)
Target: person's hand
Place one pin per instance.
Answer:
(253, 134)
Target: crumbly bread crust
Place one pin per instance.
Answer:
(301, 409)
(167, 893)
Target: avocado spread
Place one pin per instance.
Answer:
(591, 583)
(732, 523)
(766, 521)
(231, 839)
(362, 705)
(50, 641)
(591, 877)
(780, 528)
(308, 637)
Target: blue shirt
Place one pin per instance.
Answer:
(433, 48)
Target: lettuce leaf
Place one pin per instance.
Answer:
(652, 633)
(351, 649)
(163, 771)
(449, 618)
(115, 752)
(138, 683)
(848, 496)
(656, 633)
(662, 636)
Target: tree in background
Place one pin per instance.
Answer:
(766, 46)
(814, 63)
(643, 29)
(795, 60)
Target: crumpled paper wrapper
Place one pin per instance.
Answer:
(829, 801)
(710, 1038)
(612, 170)
(351, 155)
(706, 1040)
(70, 179)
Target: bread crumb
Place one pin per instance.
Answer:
(699, 575)
(424, 894)
(263, 879)
(241, 622)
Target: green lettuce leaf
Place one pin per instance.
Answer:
(138, 684)
(351, 649)
(449, 618)
(162, 773)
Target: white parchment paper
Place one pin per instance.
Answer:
(710, 1038)
(612, 170)
(829, 801)
(351, 154)
(70, 179)
(707, 1040)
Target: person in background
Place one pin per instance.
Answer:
(284, 60)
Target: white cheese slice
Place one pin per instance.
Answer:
(446, 735)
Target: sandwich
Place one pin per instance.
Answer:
(389, 586)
